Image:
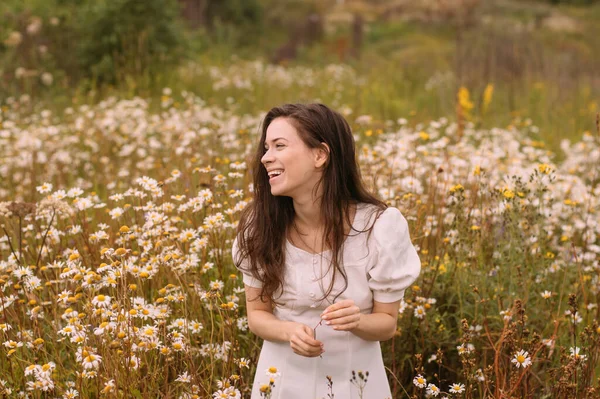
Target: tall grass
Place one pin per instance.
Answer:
(115, 271)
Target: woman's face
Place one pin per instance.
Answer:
(293, 168)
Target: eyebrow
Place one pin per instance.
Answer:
(274, 140)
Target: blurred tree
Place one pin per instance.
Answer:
(300, 21)
(125, 38)
(204, 13)
(194, 12)
(243, 19)
(574, 2)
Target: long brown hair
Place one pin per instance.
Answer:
(264, 223)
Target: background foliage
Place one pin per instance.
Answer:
(166, 95)
(414, 56)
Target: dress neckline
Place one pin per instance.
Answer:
(352, 227)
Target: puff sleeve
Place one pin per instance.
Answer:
(243, 265)
(397, 263)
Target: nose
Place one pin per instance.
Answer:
(266, 158)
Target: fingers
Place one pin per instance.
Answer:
(345, 323)
(308, 337)
(303, 343)
(344, 315)
(332, 316)
(302, 348)
(340, 305)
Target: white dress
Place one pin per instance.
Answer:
(379, 268)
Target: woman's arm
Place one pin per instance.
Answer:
(262, 322)
(379, 325)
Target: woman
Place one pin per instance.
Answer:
(325, 263)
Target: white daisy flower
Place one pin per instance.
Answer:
(456, 388)
(521, 359)
(272, 372)
(432, 390)
(420, 381)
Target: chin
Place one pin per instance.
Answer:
(280, 192)
(277, 193)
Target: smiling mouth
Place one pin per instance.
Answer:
(274, 175)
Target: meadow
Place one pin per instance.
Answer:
(117, 219)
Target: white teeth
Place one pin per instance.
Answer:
(275, 173)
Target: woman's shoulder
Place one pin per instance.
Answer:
(377, 215)
(385, 224)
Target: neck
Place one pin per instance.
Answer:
(308, 213)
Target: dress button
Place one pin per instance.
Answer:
(313, 277)
(312, 294)
(314, 261)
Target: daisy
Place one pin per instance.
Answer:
(59, 194)
(116, 197)
(64, 296)
(104, 326)
(12, 344)
(521, 359)
(178, 345)
(546, 294)
(457, 388)
(479, 375)
(185, 377)
(101, 301)
(575, 353)
(207, 266)
(178, 323)
(108, 387)
(134, 362)
(44, 188)
(70, 394)
(272, 372)
(91, 361)
(419, 312)
(243, 362)
(88, 375)
(224, 383)
(74, 192)
(420, 381)
(233, 393)
(433, 390)
(465, 349)
(242, 323)
(575, 317)
(149, 331)
(195, 327)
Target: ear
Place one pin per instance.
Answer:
(321, 155)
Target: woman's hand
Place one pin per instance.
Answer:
(303, 343)
(342, 316)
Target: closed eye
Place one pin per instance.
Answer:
(276, 146)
